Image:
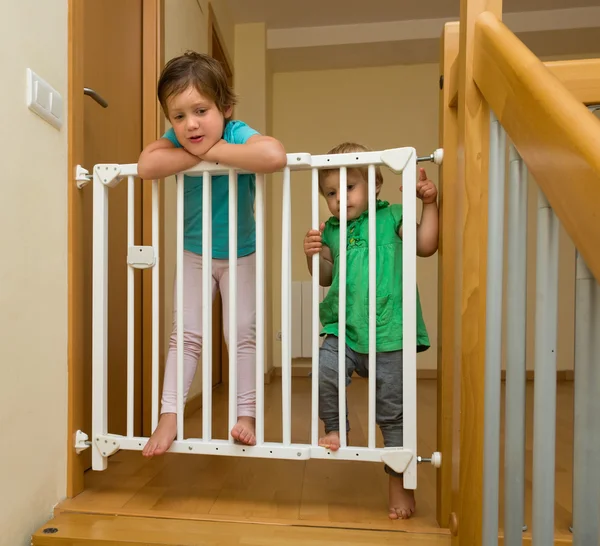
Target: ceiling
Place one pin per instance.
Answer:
(313, 13)
(326, 34)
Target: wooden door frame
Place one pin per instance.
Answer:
(214, 33)
(153, 123)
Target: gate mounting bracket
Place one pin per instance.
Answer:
(81, 442)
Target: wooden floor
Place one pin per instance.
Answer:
(564, 460)
(317, 493)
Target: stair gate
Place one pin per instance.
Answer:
(106, 176)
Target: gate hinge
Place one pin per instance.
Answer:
(108, 444)
(109, 173)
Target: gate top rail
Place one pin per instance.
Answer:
(395, 158)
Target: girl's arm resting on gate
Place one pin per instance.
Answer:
(260, 154)
(161, 159)
(325, 266)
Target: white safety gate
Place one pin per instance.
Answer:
(106, 176)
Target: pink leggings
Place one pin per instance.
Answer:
(192, 337)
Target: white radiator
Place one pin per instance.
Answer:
(302, 308)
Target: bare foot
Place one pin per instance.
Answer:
(243, 431)
(163, 436)
(401, 501)
(331, 441)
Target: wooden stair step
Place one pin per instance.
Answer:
(79, 529)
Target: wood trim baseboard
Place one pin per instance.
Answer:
(304, 371)
(194, 403)
(297, 371)
(269, 376)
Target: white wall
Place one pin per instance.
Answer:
(33, 273)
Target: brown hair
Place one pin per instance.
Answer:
(201, 71)
(349, 148)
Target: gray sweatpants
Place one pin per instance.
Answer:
(388, 390)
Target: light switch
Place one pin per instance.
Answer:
(41, 95)
(56, 105)
(44, 100)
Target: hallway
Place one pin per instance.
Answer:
(333, 494)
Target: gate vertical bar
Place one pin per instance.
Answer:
(99, 320)
(286, 288)
(316, 277)
(544, 409)
(342, 307)
(233, 230)
(409, 305)
(493, 334)
(180, 194)
(372, 432)
(130, 306)
(516, 330)
(586, 437)
(155, 304)
(207, 303)
(260, 309)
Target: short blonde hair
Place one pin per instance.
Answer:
(349, 148)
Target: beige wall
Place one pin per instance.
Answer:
(186, 27)
(33, 274)
(382, 107)
(312, 111)
(251, 75)
(252, 85)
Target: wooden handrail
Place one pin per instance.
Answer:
(558, 138)
(580, 77)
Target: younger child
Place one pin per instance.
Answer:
(326, 241)
(196, 98)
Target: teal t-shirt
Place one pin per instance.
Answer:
(236, 132)
(390, 313)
